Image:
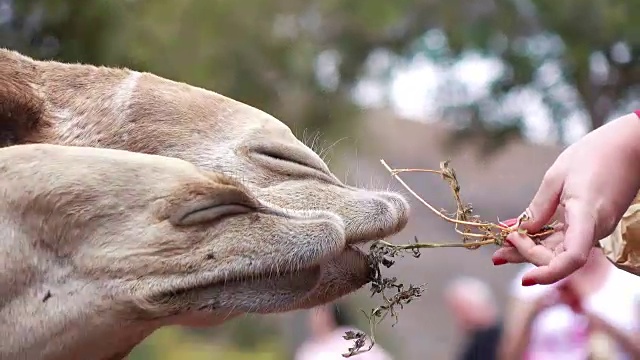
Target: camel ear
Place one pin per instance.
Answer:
(22, 117)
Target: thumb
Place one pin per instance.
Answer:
(544, 204)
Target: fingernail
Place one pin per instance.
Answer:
(499, 261)
(510, 222)
(508, 242)
(528, 282)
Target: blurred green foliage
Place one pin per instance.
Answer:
(581, 56)
(174, 343)
(300, 61)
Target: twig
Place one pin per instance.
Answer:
(395, 175)
(475, 234)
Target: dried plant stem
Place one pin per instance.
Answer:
(437, 245)
(475, 233)
(410, 190)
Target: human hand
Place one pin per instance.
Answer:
(595, 181)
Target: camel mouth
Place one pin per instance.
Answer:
(289, 288)
(359, 251)
(357, 242)
(355, 265)
(324, 276)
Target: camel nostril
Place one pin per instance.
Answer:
(399, 202)
(401, 207)
(377, 217)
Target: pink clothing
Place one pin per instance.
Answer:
(333, 346)
(560, 334)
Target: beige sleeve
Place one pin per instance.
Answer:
(622, 247)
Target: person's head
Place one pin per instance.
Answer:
(324, 319)
(472, 303)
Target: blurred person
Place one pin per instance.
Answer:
(474, 308)
(592, 314)
(328, 325)
(594, 180)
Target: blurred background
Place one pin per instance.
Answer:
(497, 86)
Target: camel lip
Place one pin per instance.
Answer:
(373, 236)
(361, 270)
(362, 241)
(365, 247)
(361, 248)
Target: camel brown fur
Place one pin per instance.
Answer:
(240, 265)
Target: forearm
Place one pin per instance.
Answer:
(622, 247)
(633, 121)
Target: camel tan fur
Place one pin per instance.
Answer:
(249, 150)
(100, 247)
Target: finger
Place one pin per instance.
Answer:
(507, 255)
(574, 252)
(533, 253)
(545, 202)
(580, 231)
(553, 240)
(560, 266)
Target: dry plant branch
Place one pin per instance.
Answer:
(473, 231)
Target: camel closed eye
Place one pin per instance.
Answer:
(287, 157)
(206, 211)
(290, 160)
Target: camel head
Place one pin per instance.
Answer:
(263, 226)
(114, 237)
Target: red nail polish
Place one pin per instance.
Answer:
(499, 261)
(528, 282)
(510, 222)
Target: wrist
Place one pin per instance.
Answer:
(634, 133)
(625, 133)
